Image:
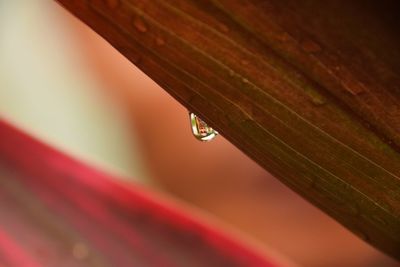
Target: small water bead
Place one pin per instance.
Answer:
(354, 88)
(318, 101)
(201, 131)
(316, 98)
(139, 25)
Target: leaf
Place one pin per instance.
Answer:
(308, 89)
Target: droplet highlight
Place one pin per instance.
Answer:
(201, 131)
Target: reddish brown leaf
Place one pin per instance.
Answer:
(308, 89)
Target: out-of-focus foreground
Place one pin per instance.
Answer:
(65, 84)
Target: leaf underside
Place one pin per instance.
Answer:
(308, 89)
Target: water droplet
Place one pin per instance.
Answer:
(354, 88)
(80, 251)
(139, 25)
(316, 98)
(310, 46)
(200, 129)
(160, 41)
(318, 101)
(112, 3)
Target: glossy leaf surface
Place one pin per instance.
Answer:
(308, 89)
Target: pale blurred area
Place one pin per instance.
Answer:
(48, 87)
(66, 85)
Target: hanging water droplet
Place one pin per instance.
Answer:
(200, 129)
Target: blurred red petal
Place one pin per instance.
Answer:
(56, 211)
